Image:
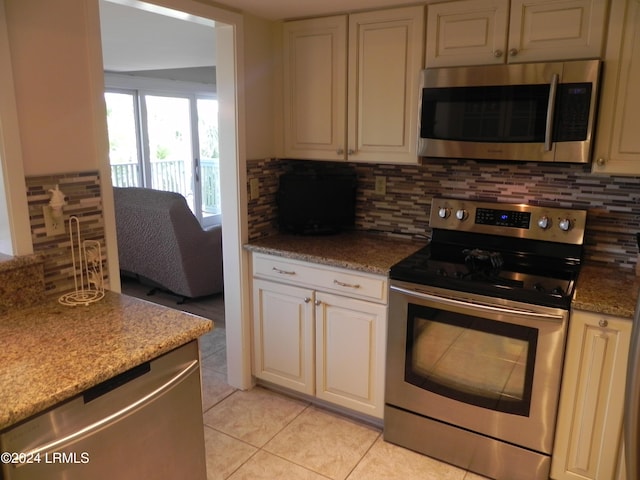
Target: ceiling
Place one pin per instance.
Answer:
(134, 39)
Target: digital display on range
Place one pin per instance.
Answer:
(503, 218)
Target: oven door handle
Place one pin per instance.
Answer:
(479, 306)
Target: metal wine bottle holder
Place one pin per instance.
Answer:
(87, 269)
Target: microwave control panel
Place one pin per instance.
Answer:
(573, 105)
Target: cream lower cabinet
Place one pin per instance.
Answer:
(284, 335)
(617, 147)
(320, 331)
(589, 429)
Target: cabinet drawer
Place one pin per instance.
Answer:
(329, 279)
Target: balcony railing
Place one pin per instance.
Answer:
(171, 176)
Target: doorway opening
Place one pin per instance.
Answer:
(227, 27)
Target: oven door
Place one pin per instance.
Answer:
(483, 364)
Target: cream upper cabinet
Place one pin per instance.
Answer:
(617, 143)
(353, 96)
(468, 32)
(385, 59)
(589, 429)
(484, 32)
(315, 90)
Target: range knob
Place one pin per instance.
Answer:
(461, 214)
(443, 212)
(564, 224)
(543, 222)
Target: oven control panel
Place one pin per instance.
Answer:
(551, 224)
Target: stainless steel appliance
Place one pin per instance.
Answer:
(144, 423)
(476, 336)
(632, 403)
(529, 112)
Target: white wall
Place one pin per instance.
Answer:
(51, 63)
(15, 231)
(259, 90)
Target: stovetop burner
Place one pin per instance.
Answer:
(499, 253)
(490, 274)
(482, 261)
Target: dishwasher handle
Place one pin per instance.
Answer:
(479, 306)
(86, 431)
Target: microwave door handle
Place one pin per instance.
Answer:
(551, 110)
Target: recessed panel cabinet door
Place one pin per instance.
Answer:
(350, 350)
(589, 428)
(485, 32)
(385, 59)
(283, 335)
(315, 65)
(467, 32)
(558, 30)
(617, 147)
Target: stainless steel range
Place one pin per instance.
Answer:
(477, 329)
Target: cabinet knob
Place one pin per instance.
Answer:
(601, 162)
(340, 151)
(497, 53)
(317, 302)
(351, 151)
(603, 323)
(513, 52)
(307, 299)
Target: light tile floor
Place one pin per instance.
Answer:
(260, 434)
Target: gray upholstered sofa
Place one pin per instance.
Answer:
(161, 242)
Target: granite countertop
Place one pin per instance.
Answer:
(599, 289)
(8, 262)
(606, 290)
(365, 252)
(52, 352)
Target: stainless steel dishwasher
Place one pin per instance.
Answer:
(145, 423)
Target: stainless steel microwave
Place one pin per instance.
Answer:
(542, 112)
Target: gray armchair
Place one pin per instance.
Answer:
(161, 242)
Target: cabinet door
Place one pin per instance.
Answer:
(592, 398)
(350, 350)
(617, 141)
(315, 75)
(543, 30)
(283, 335)
(468, 32)
(385, 58)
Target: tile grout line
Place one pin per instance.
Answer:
(363, 456)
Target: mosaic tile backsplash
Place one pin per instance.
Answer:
(82, 194)
(612, 202)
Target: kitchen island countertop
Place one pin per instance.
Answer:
(365, 252)
(51, 352)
